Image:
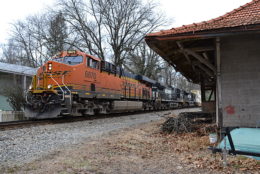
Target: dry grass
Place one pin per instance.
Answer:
(143, 149)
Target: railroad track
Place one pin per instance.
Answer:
(24, 123)
(28, 123)
(59, 120)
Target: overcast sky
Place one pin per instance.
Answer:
(180, 11)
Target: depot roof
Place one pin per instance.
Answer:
(246, 17)
(192, 47)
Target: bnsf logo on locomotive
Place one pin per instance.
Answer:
(91, 75)
(58, 73)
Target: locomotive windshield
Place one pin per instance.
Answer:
(70, 60)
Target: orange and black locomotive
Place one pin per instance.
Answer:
(75, 83)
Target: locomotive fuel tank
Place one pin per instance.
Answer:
(127, 105)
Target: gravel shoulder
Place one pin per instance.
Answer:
(21, 146)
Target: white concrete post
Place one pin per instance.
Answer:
(24, 82)
(218, 91)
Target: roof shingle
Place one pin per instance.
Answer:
(248, 14)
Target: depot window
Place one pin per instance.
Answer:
(210, 95)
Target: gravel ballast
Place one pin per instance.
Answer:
(21, 146)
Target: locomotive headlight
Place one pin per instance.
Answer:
(49, 86)
(50, 66)
(30, 87)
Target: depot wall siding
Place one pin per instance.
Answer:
(240, 80)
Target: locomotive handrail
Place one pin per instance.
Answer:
(63, 93)
(66, 88)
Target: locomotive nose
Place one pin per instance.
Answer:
(52, 74)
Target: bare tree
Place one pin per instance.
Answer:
(127, 22)
(110, 29)
(183, 83)
(22, 37)
(57, 34)
(86, 24)
(143, 60)
(10, 53)
(104, 28)
(36, 39)
(28, 36)
(170, 75)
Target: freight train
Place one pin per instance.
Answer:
(75, 83)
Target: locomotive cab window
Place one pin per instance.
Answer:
(70, 60)
(92, 63)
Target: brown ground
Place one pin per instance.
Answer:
(141, 149)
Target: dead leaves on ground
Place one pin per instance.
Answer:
(188, 149)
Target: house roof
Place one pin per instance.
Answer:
(246, 15)
(17, 69)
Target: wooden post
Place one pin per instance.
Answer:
(202, 88)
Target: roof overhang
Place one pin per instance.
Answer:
(193, 53)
